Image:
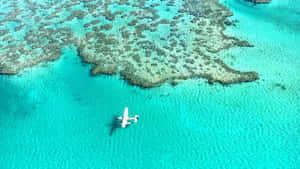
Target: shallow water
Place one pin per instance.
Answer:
(57, 116)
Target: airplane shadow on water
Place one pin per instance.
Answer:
(114, 125)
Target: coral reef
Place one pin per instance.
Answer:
(146, 42)
(259, 1)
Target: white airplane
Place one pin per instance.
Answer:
(125, 118)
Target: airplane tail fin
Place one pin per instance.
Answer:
(136, 117)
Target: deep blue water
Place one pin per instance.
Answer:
(58, 116)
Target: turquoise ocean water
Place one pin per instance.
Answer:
(57, 116)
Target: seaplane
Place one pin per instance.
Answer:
(125, 118)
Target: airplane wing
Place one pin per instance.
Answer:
(125, 118)
(123, 124)
(125, 113)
